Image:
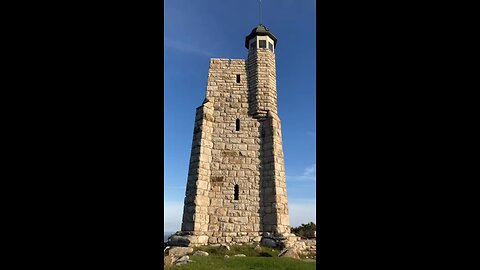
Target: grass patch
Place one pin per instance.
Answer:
(265, 254)
(248, 250)
(244, 263)
(262, 258)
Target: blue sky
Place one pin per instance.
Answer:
(197, 30)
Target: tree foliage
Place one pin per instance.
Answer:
(305, 230)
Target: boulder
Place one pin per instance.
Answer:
(226, 256)
(300, 245)
(182, 259)
(200, 253)
(179, 241)
(269, 242)
(289, 253)
(168, 260)
(310, 242)
(258, 248)
(180, 251)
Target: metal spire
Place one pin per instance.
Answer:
(260, 10)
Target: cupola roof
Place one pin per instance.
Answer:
(260, 30)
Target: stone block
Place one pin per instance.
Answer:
(223, 219)
(200, 253)
(213, 227)
(242, 239)
(227, 227)
(216, 202)
(202, 239)
(181, 241)
(180, 251)
(239, 220)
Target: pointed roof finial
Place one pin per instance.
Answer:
(260, 10)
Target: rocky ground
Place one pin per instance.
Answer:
(177, 255)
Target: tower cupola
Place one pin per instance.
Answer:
(261, 37)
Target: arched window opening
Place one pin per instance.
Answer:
(237, 125)
(236, 193)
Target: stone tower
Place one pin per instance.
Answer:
(236, 188)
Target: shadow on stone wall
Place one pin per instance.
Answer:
(261, 209)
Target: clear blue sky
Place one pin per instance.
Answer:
(196, 31)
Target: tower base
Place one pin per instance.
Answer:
(193, 239)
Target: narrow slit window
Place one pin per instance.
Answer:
(262, 43)
(238, 78)
(236, 193)
(237, 125)
(270, 46)
(253, 45)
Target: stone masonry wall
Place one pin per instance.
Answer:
(262, 82)
(195, 212)
(223, 157)
(274, 188)
(236, 156)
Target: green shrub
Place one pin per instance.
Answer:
(305, 230)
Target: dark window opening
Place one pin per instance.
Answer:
(236, 193)
(262, 43)
(238, 78)
(237, 125)
(270, 46)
